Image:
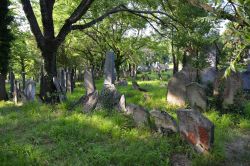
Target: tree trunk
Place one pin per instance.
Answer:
(51, 92)
(3, 92)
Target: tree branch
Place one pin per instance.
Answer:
(28, 10)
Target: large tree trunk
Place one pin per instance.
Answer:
(3, 93)
(51, 92)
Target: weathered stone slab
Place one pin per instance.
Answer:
(246, 80)
(233, 86)
(227, 88)
(90, 102)
(59, 89)
(68, 81)
(109, 68)
(196, 129)
(196, 96)
(109, 97)
(164, 122)
(177, 85)
(30, 90)
(139, 114)
(89, 83)
(177, 89)
(208, 75)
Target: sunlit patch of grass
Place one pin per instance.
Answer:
(39, 134)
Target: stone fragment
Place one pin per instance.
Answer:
(164, 122)
(90, 102)
(196, 129)
(122, 104)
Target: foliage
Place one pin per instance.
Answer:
(6, 37)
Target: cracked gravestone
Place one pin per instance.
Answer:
(196, 129)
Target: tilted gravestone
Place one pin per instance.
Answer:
(164, 122)
(109, 69)
(89, 83)
(139, 114)
(30, 90)
(196, 96)
(196, 129)
(122, 104)
(90, 102)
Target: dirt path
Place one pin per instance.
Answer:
(238, 151)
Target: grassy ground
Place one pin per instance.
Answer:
(39, 134)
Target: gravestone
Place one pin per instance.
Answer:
(164, 122)
(246, 75)
(109, 97)
(208, 75)
(59, 90)
(68, 81)
(246, 80)
(139, 114)
(176, 94)
(196, 129)
(63, 80)
(42, 85)
(109, 69)
(122, 104)
(177, 85)
(89, 83)
(30, 90)
(12, 84)
(196, 96)
(90, 102)
(233, 85)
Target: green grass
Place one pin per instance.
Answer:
(39, 134)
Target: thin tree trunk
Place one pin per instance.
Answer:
(3, 92)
